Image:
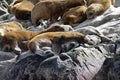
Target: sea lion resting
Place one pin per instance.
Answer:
(92, 9)
(75, 15)
(97, 7)
(10, 26)
(12, 39)
(22, 8)
(52, 9)
(55, 39)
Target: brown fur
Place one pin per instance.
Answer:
(52, 9)
(97, 7)
(10, 26)
(11, 39)
(22, 8)
(74, 15)
(56, 39)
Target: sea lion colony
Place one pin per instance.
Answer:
(70, 11)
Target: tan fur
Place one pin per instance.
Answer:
(74, 15)
(52, 9)
(10, 26)
(97, 7)
(11, 39)
(22, 8)
(56, 39)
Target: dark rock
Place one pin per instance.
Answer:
(78, 64)
(6, 55)
(2, 12)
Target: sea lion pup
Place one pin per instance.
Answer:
(12, 39)
(97, 7)
(10, 26)
(22, 8)
(75, 15)
(55, 39)
(52, 9)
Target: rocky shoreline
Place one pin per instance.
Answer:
(99, 61)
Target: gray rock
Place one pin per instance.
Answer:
(117, 3)
(84, 62)
(6, 55)
(78, 64)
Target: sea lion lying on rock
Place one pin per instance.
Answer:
(93, 8)
(75, 15)
(22, 8)
(55, 39)
(52, 9)
(97, 7)
(14, 38)
(10, 26)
